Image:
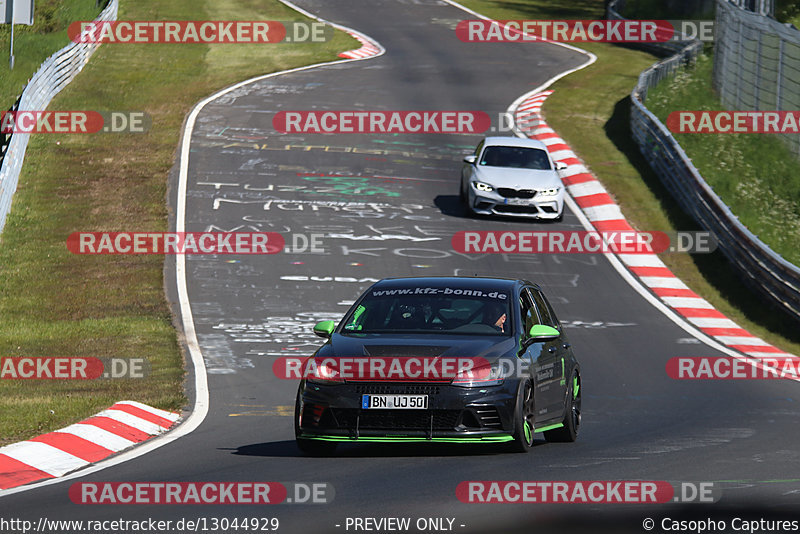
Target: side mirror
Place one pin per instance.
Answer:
(471, 159)
(324, 329)
(541, 332)
(560, 165)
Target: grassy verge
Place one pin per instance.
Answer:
(660, 10)
(788, 11)
(33, 44)
(590, 109)
(755, 175)
(53, 303)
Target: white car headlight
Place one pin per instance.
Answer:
(548, 192)
(480, 186)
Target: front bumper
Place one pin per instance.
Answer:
(333, 412)
(492, 203)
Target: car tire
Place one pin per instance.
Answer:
(560, 216)
(572, 415)
(524, 415)
(310, 447)
(464, 196)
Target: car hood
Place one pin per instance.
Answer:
(517, 178)
(416, 345)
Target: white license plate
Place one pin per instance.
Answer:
(394, 402)
(520, 201)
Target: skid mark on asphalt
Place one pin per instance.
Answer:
(219, 358)
(714, 438)
(277, 411)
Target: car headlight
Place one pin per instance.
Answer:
(480, 186)
(479, 377)
(553, 191)
(324, 372)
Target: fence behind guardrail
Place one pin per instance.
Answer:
(53, 75)
(760, 267)
(762, 7)
(756, 63)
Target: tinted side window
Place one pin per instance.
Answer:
(556, 322)
(528, 313)
(546, 312)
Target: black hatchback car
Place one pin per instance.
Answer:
(441, 359)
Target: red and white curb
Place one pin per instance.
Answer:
(605, 215)
(60, 452)
(369, 48)
(21, 464)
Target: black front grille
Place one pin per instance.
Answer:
(516, 193)
(509, 208)
(397, 419)
(397, 389)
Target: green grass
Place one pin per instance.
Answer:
(33, 44)
(660, 10)
(756, 175)
(590, 109)
(54, 303)
(788, 11)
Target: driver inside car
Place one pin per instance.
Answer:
(495, 315)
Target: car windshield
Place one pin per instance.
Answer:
(515, 156)
(431, 310)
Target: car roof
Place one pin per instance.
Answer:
(514, 141)
(473, 282)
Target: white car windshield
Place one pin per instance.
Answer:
(515, 156)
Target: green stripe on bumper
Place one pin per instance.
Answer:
(411, 439)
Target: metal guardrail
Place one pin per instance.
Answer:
(660, 49)
(53, 75)
(757, 265)
(5, 138)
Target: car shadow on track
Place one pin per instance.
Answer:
(452, 206)
(288, 449)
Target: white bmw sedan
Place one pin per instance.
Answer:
(513, 177)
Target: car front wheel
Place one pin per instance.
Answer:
(524, 418)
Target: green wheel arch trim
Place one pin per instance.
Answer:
(575, 387)
(411, 439)
(549, 427)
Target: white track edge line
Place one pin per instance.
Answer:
(201, 404)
